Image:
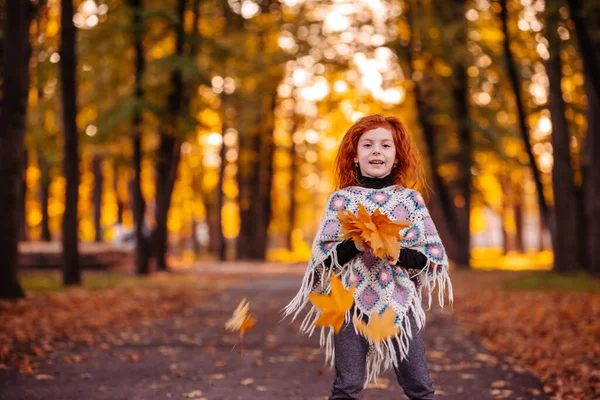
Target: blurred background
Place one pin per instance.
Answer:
(155, 134)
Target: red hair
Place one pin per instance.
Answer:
(407, 172)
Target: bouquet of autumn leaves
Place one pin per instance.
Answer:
(382, 235)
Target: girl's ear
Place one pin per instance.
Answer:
(355, 160)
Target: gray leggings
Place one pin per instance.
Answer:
(350, 364)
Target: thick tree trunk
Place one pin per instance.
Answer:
(442, 207)
(255, 181)
(142, 247)
(15, 49)
(562, 171)
(169, 151)
(248, 185)
(588, 51)
(68, 75)
(97, 197)
(262, 201)
(592, 180)
(522, 117)
(463, 212)
(590, 192)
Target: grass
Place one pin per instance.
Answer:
(51, 281)
(548, 281)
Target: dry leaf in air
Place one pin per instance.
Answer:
(377, 230)
(241, 319)
(334, 305)
(380, 327)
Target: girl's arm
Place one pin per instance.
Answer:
(410, 258)
(346, 251)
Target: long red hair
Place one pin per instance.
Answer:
(408, 171)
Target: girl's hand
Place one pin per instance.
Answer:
(361, 246)
(391, 261)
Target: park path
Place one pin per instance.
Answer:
(190, 355)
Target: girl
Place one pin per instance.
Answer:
(375, 163)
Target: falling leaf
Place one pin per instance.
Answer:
(379, 232)
(262, 388)
(333, 306)
(241, 319)
(380, 327)
(216, 376)
(498, 384)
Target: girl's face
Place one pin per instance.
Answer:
(376, 153)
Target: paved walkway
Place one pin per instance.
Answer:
(190, 356)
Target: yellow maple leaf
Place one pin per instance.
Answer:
(241, 320)
(379, 232)
(334, 305)
(380, 327)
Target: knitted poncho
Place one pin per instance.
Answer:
(378, 285)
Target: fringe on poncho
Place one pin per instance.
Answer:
(378, 285)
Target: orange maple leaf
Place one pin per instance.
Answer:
(379, 232)
(379, 328)
(241, 320)
(334, 305)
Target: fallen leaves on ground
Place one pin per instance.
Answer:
(376, 230)
(34, 327)
(379, 328)
(333, 306)
(552, 335)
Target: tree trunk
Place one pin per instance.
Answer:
(562, 171)
(222, 244)
(590, 192)
(22, 209)
(97, 197)
(442, 207)
(169, 151)
(293, 178)
(120, 205)
(68, 63)
(142, 247)
(15, 70)
(44, 195)
(592, 179)
(518, 216)
(463, 212)
(522, 117)
(265, 175)
(588, 51)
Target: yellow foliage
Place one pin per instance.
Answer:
(376, 230)
(333, 306)
(241, 320)
(380, 328)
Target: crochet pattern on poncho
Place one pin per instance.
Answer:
(378, 285)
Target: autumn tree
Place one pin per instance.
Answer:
(68, 75)
(15, 85)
